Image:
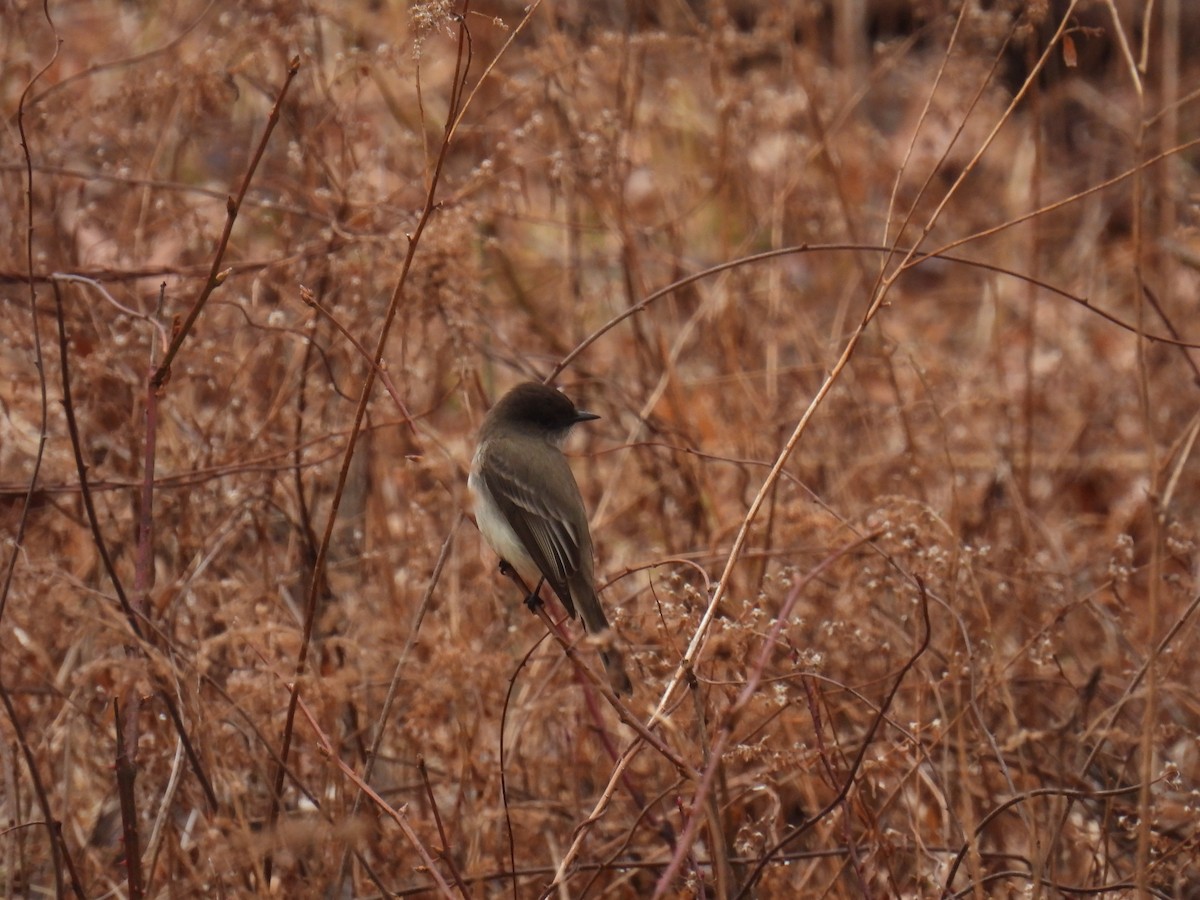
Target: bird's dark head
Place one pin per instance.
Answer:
(537, 406)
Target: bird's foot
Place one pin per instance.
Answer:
(534, 600)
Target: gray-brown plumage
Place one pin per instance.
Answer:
(529, 508)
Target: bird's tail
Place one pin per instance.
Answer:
(597, 625)
(614, 665)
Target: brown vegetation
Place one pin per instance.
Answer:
(894, 496)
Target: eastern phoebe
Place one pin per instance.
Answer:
(528, 505)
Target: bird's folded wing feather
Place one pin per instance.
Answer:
(544, 531)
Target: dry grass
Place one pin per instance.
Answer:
(800, 457)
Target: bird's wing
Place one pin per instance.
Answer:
(536, 516)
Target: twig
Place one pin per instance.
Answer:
(38, 362)
(632, 864)
(968, 169)
(310, 300)
(127, 61)
(912, 142)
(53, 826)
(1118, 888)
(103, 292)
(126, 772)
(385, 712)
(1162, 314)
(232, 205)
(733, 714)
(127, 718)
(1021, 798)
(437, 818)
(1100, 187)
(508, 695)
(398, 292)
(154, 843)
(58, 849)
(382, 805)
(856, 764)
(81, 469)
(204, 474)
(941, 253)
(601, 684)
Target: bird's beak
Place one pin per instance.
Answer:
(584, 416)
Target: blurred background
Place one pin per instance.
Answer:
(1003, 194)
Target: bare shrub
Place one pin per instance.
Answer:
(893, 495)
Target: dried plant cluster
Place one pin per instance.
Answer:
(898, 524)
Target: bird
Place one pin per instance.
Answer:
(529, 509)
